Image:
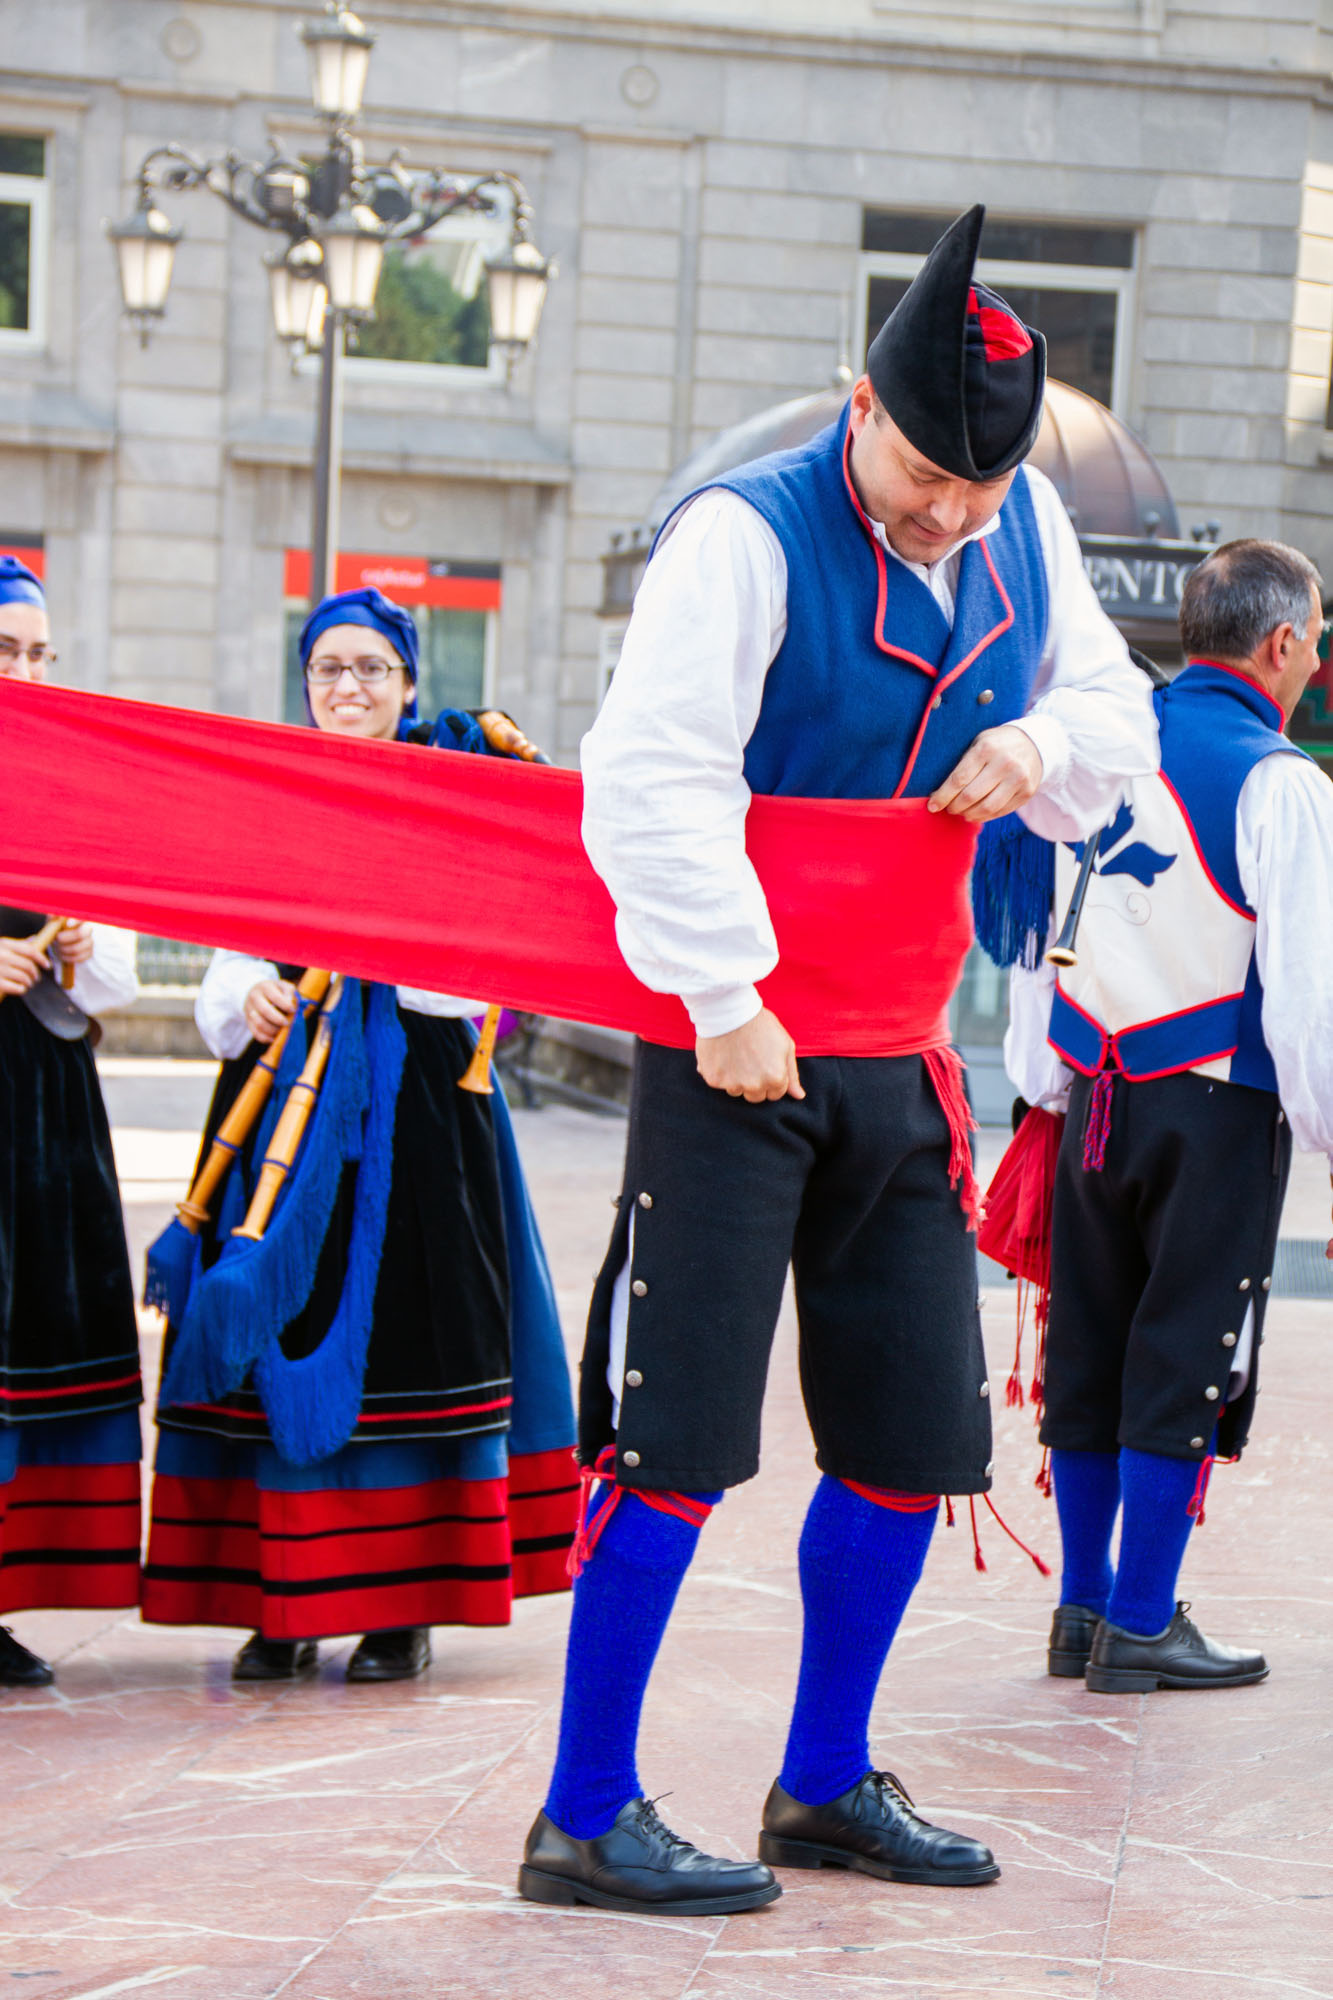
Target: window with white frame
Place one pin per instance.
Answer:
(432, 308)
(24, 198)
(1074, 281)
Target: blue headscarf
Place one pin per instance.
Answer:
(374, 610)
(18, 585)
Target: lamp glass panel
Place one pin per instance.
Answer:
(338, 75)
(145, 272)
(517, 297)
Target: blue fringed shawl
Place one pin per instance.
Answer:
(1013, 888)
(236, 1311)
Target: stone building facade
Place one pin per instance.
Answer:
(731, 191)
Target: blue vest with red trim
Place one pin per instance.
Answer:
(871, 694)
(1166, 978)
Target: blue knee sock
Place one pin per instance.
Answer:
(622, 1602)
(1156, 1494)
(859, 1565)
(1087, 1499)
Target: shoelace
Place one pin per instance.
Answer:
(884, 1781)
(651, 1820)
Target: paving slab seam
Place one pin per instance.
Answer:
(377, 1890)
(1122, 1843)
(253, 1711)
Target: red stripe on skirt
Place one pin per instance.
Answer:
(314, 1565)
(69, 1538)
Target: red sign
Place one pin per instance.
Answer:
(29, 549)
(427, 580)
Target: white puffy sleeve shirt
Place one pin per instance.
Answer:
(108, 979)
(219, 1008)
(665, 795)
(1284, 853)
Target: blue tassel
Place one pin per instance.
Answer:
(1013, 888)
(255, 1289)
(170, 1270)
(312, 1404)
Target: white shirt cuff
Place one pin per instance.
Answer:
(1052, 741)
(723, 1009)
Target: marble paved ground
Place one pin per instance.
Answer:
(165, 1831)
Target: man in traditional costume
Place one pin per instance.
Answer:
(1188, 1043)
(838, 621)
(69, 1340)
(365, 1418)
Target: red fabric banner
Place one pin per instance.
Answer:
(454, 873)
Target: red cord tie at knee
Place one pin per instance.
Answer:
(587, 1534)
(977, 1557)
(1043, 1481)
(1097, 1130)
(1200, 1493)
(890, 1497)
(945, 1069)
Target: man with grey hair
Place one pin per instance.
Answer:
(1189, 1043)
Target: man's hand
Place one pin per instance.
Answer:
(74, 945)
(269, 1006)
(999, 772)
(21, 965)
(756, 1062)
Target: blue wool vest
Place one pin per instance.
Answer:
(871, 695)
(1166, 978)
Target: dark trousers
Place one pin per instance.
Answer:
(1154, 1261)
(850, 1186)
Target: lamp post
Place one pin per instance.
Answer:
(337, 213)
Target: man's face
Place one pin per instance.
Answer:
(1300, 661)
(22, 627)
(924, 511)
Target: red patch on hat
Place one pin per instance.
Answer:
(1003, 337)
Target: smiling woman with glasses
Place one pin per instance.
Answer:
(450, 1490)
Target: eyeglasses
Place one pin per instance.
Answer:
(368, 670)
(1325, 646)
(36, 656)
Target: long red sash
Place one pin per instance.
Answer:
(456, 874)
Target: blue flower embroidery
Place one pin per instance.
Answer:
(1144, 863)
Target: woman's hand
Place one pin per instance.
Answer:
(269, 1006)
(74, 946)
(21, 965)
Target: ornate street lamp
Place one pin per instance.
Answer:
(145, 246)
(297, 291)
(339, 51)
(338, 213)
(517, 282)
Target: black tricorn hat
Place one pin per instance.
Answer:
(958, 372)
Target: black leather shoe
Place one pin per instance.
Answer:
(274, 1659)
(391, 1656)
(1072, 1628)
(871, 1828)
(1179, 1657)
(18, 1667)
(640, 1865)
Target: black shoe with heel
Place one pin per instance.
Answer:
(20, 1668)
(1178, 1657)
(1072, 1629)
(873, 1829)
(640, 1866)
(391, 1656)
(263, 1659)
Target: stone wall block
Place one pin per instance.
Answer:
(624, 301)
(628, 398)
(163, 610)
(167, 559)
